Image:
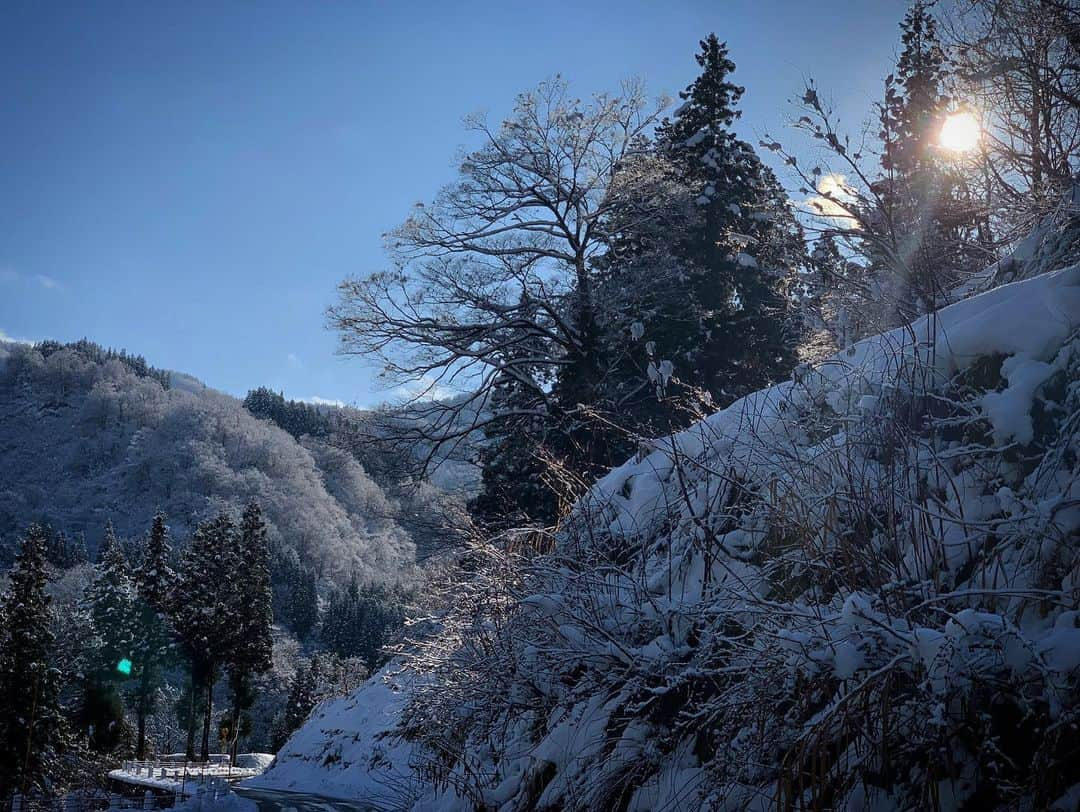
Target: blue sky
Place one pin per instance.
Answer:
(190, 180)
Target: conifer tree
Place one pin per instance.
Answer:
(155, 582)
(110, 600)
(251, 649)
(304, 602)
(303, 696)
(731, 327)
(513, 491)
(31, 721)
(925, 203)
(201, 616)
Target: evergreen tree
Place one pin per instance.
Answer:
(833, 299)
(251, 649)
(31, 721)
(201, 616)
(304, 604)
(295, 598)
(64, 553)
(110, 600)
(726, 324)
(155, 581)
(303, 695)
(513, 491)
(925, 203)
(359, 621)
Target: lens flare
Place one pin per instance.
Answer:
(124, 667)
(960, 132)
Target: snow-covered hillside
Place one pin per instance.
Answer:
(84, 441)
(347, 748)
(857, 589)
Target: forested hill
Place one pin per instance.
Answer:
(88, 436)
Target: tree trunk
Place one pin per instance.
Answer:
(235, 730)
(208, 712)
(140, 748)
(190, 751)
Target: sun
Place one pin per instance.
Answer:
(960, 132)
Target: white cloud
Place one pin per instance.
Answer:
(12, 339)
(48, 282)
(832, 200)
(315, 400)
(294, 360)
(426, 388)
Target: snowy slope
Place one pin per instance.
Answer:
(345, 749)
(858, 589)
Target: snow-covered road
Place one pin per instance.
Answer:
(270, 800)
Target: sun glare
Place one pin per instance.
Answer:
(960, 132)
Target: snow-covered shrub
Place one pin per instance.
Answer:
(856, 589)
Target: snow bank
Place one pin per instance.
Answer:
(347, 750)
(858, 588)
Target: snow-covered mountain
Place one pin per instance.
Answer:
(85, 440)
(858, 589)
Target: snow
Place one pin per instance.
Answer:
(797, 445)
(347, 749)
(866, 524)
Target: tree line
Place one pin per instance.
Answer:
(210, 616)
(154, 632)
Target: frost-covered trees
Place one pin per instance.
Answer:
(85, 439)
(112, 605)
(1018, 62)
(31, 722)
(251, 616)
(302, 698)
(575, 268)
(207, 572)
(155, 583)
(504, 255)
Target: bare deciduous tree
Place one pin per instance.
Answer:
(501, 260)
(1019, 62)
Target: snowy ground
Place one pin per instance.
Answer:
(778, 570)
(344, 749)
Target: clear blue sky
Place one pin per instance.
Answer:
(190, 180)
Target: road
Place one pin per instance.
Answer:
(270, 800)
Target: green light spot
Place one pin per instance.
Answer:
(124, 667)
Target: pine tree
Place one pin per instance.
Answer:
(303, 696)
(833, 299)
(926, 205)
(110, 600)
(155, 581)
(359, 621)
(304, 602)
(201, 615)
(31, 721)
(513, 491)
(251, 649)
(731, 327)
